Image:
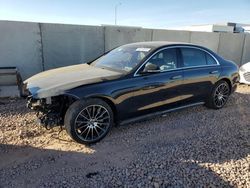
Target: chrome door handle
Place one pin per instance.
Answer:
(153, 86)
(176, 77)
(213, 72)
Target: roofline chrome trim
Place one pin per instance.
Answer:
(179, 46)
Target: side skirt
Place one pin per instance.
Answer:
(162, 113)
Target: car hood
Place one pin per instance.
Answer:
(56, 81)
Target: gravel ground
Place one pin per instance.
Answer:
(195, 147)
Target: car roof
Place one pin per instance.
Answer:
(157, 44)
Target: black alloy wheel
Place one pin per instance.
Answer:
(221, 94)
(92, 122)
(88, 121)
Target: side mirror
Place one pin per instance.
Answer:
(151, 68)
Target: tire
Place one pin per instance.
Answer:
(88, 121)
(219, 95)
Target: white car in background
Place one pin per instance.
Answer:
(244, 72)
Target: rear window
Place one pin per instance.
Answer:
(210, 60)
(193, 57)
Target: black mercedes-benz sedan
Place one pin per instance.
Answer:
(129, 83)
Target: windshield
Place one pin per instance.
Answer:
(124, 58)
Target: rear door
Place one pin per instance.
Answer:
(200, 71)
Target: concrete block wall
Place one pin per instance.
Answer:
(70, 44)
(171, 35)
(117, 36)
(231, 46)
(209, 40)
(20, 46)
(34, 47)
(246, 50)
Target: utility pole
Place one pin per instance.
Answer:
(116, 6)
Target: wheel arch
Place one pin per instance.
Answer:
(110, 102)
(106, 99)
(228, 82)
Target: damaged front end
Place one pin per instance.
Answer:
(50, 111)
(49, 91)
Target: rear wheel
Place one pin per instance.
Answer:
(219, 95)
(88, 121)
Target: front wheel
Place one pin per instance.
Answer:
(219, 95)
(88, 121)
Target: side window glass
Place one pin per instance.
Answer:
(193, 57)
(210, 60)
(164, 60)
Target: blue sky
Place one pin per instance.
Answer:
(144, 13)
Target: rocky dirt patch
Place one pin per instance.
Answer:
(195, 147)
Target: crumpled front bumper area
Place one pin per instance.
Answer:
(48, 111)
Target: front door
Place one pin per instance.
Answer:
(158, 89)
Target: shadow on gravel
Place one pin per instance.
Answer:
(25, 166)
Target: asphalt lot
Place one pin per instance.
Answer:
(193, 147)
